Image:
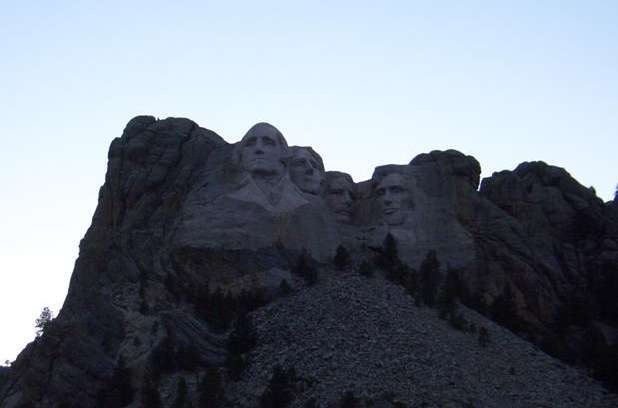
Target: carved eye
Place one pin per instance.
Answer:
(314, 165)
(251, 141)
(268, 141)
(380, 192)
(396, 189)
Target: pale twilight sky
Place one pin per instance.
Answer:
(364, 82)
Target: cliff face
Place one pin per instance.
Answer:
(192, 232)
(570, 238)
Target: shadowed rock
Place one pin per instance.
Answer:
(191, 232)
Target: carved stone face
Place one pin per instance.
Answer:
(340, 197)
(261, 153)
(305, 171)
(391, 194)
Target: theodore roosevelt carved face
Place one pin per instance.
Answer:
(306, 169)
(340, 195)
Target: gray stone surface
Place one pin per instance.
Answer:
(307, 169)
(340, 195)
(183, 214)
(350, 333)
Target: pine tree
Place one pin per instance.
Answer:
(280, 390)
(396, 271)
(348, 400)
(304, 267)
(211, 389)
(389, 257)
(409, 280)
(242, 339)
(458, 322)
(401, 274)
(119, 392)
(342, 258)
(220, 308)
(311, 403)
(171, 284)
(483, 336)
(202, 300)
(143, 283)
(4, 373)
(217, 311)
(284, 288)
(389, 246)
(430, 278)
(365, 269)
(150, 395)
(43, 321)
(187, 357)
(504, 309)
(181, 394)
(163, 357)
(447, 301)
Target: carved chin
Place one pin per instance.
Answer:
(394, 218)
(343, 216)
(310, 186)
(310, 190)
(263, 167)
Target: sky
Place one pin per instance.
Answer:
(365, 83)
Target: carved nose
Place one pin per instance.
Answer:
(348, 199)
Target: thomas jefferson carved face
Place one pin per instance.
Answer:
(306, 170)
(340, 196)
(263, 151)
(391, 195)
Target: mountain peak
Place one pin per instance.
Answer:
(237, 274)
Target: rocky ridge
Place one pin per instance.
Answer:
(185, 218)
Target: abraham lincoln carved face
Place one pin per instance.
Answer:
(392, 195)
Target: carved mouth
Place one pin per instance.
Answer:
(389, 211)
(344, 212)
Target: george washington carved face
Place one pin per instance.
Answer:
(264, 155)
(263, 151)
(306, 169)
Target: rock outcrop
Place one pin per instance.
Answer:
(192, 232)
(366, 336)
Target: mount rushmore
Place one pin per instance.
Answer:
(187, 224)
(266, 192)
